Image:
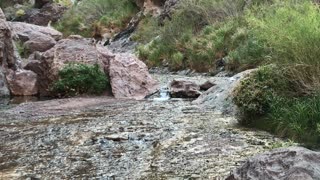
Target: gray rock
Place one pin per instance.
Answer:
(294, 163)
(219, 97)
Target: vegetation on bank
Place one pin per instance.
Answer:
(75, 79)
(284, 97)
(95, 17)
(280, 37)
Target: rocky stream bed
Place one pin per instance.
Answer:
(107, 138)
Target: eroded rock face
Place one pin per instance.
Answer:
(293, 163)
(74, 49)
(22, 83)
(36, 38)
(130, 77)
(180, 88)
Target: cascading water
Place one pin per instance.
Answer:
(164, 94)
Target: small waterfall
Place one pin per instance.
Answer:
(164, 94)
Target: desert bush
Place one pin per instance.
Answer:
(75, 79)
(83, 17)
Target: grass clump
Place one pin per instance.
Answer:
(75, 79)
(89, 18)
(291, 31)
(297, 118)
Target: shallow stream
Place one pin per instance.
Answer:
(105, 138)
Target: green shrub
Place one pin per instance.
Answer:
(75, 79)
(256, 92)
(84, 17)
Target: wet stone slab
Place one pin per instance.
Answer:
(104, 138)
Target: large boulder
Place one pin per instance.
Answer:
(7, 55)
(180, 88)
(219, 97)
(36, 38)
(130, 77)
(22, 83)
(294, 163)
(74, 49)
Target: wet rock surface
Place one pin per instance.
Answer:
(106, 138)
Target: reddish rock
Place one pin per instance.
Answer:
(75, 49)
(184, 89)
(130, 77)
(22, 83)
